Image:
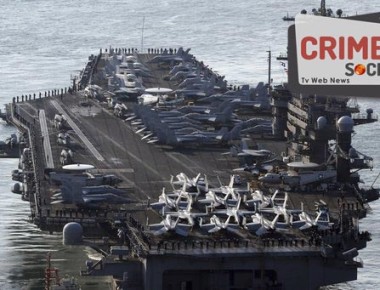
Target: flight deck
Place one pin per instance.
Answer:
(102, 155)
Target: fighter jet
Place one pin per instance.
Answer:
(186, 214)
(195, 81)
(182, 66)
(185, 74)
(230, 188)
(182, 125)
(179, 119)
(209, 137)
(135, 68)
(195, 184)
(258, 200)
(296, 218)
(215, 200)
(279, 199)
(203, 136)
(234, 211)
(259, 225)
(279, 215)
(258, 129)
(180, 56)
(322, 221)
(196, 91)
(221, 117)
(244, 151)
(216, 225)
(262, 153)
(174, 201)
(128, 82)
(247, 104)
(170, 223)
(209, 109)
(275, 216)
(301, 220)
(259, 94)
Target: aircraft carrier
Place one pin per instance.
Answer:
(194, 206)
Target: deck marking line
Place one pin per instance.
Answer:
(46, 140)
(78, 131)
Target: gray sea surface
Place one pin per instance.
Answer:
(43, 43)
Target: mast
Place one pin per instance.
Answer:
(269, 67)
(142, 35)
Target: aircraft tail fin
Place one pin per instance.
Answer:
(232, 179)
(228, 111)
(274, 222)
(234, 151)
(182, 229)
(206, 183)
(180, 51)
(234, 134)
(223, 130)
(262, 230)
(244, 145)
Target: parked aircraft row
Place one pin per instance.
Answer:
(176, 128)
(231, 209)
(194, 79)
(254, 99)
(180, 56)
(186, 124)
(199, 82)
(128, 79)
(191, 124)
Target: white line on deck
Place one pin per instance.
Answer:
(46, 140)
(78, 132)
